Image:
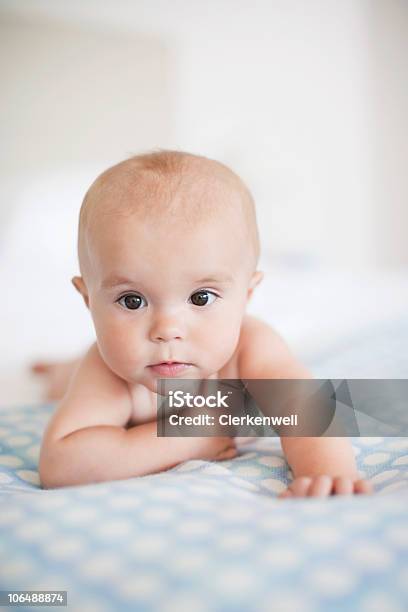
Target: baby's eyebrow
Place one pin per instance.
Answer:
(117, 281)
(224, 279)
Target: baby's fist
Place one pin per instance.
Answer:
(323, 485)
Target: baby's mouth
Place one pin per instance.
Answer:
(169, 368)
(169, 363)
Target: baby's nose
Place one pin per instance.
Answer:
(166, 328)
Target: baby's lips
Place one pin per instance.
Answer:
(169, 362)
(169, 369)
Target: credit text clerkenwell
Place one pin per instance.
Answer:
(229, 419)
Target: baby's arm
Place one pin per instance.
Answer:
(86, 440)
(320, 465)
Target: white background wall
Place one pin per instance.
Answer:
(306, 99)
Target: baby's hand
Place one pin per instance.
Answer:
(322, 486)
(214, 448)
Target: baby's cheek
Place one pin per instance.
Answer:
(221, 342)
(120, 349)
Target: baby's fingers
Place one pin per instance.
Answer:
(298, 488)
(342, 486)
(230, 453)
(363, 486)
(286, 493)
(321, 486)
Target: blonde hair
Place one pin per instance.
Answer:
(154, 180)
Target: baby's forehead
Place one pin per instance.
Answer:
(162, 256)
(167, 249)
(121, 234)
(194, 192)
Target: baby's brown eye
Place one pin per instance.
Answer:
(200, 298)
(131, 301)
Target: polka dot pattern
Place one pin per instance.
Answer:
(376, 458)
(204, 535)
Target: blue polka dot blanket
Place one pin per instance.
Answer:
(205, 536)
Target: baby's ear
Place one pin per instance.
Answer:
(80, 286)
(254, 282)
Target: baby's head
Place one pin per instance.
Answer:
(168, 247)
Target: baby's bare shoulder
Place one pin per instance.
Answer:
(263, 353)
(253, 329)
(95, 396)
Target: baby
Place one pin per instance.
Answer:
(168, 249)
